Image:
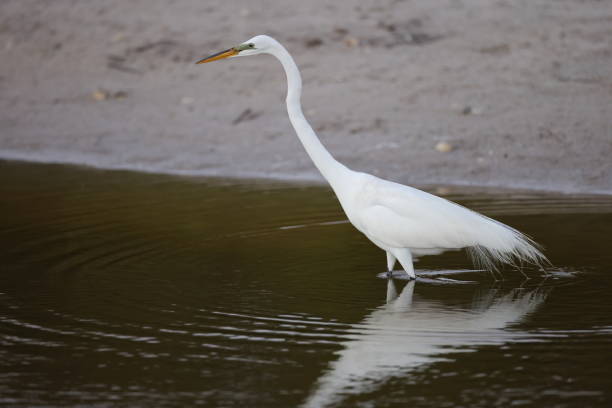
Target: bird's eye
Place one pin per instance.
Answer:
(251, 45)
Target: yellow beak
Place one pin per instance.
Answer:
(218, 56)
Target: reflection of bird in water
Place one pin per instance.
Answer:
(401, 220)
(403, 335)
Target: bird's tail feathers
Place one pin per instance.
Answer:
(515, 248)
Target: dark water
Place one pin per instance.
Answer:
(125, 289)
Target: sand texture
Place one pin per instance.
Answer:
(472, 92)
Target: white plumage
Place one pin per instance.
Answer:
(397, 217)
(401, 220)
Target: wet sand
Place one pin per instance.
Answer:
(521, 91)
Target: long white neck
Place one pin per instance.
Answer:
(329, 167)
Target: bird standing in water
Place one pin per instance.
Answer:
(401, 220)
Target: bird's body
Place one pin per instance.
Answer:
(407, 222)
(401, 220)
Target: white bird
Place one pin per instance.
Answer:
(401, 220)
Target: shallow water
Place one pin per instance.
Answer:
(127, 289)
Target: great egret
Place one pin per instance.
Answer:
(401, 220)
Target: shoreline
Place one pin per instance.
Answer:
(439, 188)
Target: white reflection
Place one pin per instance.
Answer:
(404, 334)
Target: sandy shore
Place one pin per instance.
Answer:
(520, 91)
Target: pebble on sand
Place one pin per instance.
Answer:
(444, 147)
(102, 95)
(99, 95)
(351, 41)
(118, 37)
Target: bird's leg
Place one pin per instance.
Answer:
(390, 264)
(404, 256)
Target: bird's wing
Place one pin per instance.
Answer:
(402, 216)
(416, 231)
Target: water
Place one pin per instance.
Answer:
(126, 289)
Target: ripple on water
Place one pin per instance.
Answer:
(113, 280)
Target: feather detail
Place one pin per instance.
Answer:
(505, 245)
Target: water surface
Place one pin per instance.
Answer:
(127, 289)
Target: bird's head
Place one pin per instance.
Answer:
(257, 45)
